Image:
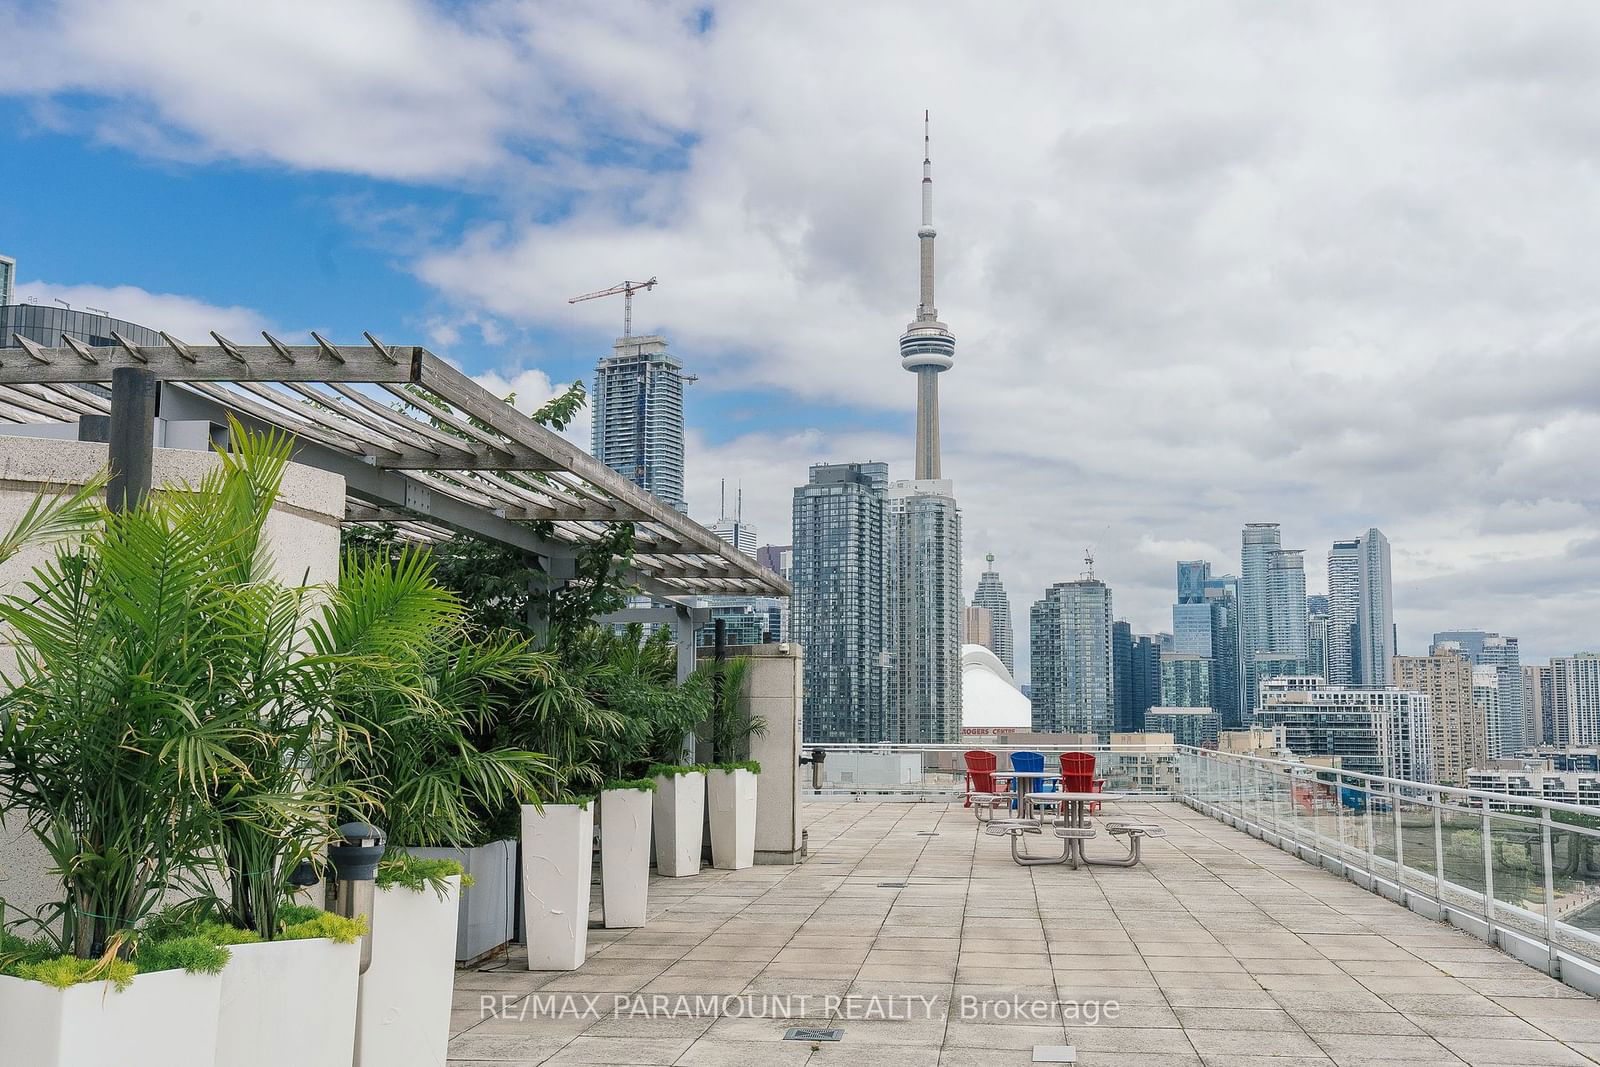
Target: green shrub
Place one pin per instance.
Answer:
(753, 766)
(336, 928)
(674, 770)
(643, 785)
(196, 955)
(402, 870)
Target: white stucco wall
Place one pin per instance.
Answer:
(303, 533)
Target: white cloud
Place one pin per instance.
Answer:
(528, 389)
(1220, 263)
(184, 317)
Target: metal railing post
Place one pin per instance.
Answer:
(1372, 840)
(1488, 875)
(1549, 892)
(1399, 843)
(1438, 853)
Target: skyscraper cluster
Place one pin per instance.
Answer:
(877, 566)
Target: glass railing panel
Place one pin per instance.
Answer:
(1416, 841)
(1575, 855)
(1461, 833)
(1380, 819)
(1516, 849)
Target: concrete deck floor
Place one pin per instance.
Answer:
(1218, 950)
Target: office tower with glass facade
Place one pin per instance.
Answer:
(638, 416)
(1226, 691)
(839, 607)
(1121, 676)
(1145, 655)
(779, 559)
(1272, 608)
(1459, 725)
(923, 527)
(1508, 730)
(1071, 657)
(991, 594)
(8, 280)
(1376, 623)
(1575, 688)
(1185, 680)
(1379, 730)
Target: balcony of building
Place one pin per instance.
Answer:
(1290, 915)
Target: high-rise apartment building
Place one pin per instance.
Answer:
(1360, 611)
(732, 528)
(924, 618)
(638, 416)
(1459, 725)
(1070, 631)
(1344, 613)
(1538, 704)
(991, 594)
(1379, 730)
(1508, 729)
(1317, 643)
(839, 610)
(1272, 607)
(8, 280)
(1376, 622)
(1575, 686)
(977, 627)
(1185, 680)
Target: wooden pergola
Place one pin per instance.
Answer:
(419, 444)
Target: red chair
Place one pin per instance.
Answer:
(1077, 776)
(983, 783)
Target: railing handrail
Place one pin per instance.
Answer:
(1208, 753)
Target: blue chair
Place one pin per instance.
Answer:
(1033, 762)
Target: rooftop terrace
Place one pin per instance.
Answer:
(1219, 949)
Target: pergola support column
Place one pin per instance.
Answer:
(131, 452)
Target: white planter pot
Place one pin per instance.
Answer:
(165, 1019)
(489, 905)
(680, 812)
(624, 856)
(732, 798)
(404, 1019)
(557, 867)
(312, 982)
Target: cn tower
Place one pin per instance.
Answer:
(927, 348)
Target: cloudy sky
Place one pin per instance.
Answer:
(1332, 266)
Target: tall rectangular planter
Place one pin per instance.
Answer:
(625, 856)
(404, 1018)
(164, 1019)
(488, 919)
(313, 983)
(680, 811)
(557, 868)
(731, 796)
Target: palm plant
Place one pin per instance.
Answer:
(155, 668)
(634, 681)
(417, 692)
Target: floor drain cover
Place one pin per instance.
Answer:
(891, 885)
(927, 833)
(812, 1033)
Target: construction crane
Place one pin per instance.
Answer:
(627, 289)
